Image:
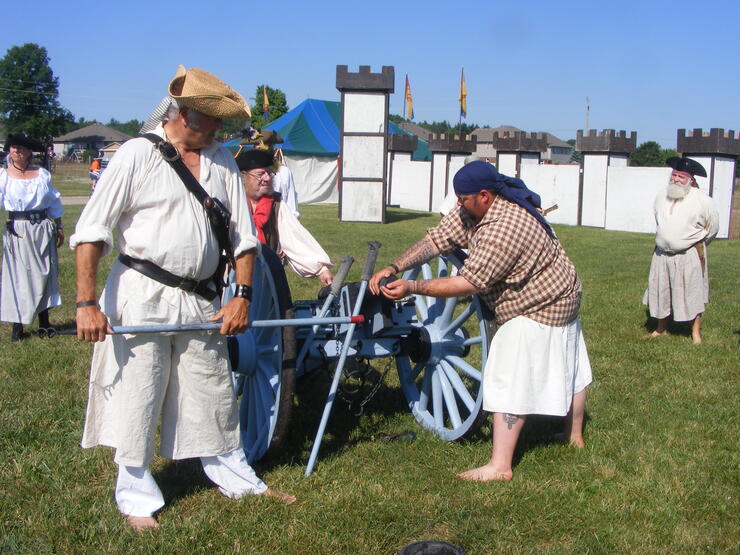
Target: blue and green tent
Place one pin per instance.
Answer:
(312, 129)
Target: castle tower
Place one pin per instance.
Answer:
(716, 151)
(448, 156)
(517, 148)
(401, 147)
(363, 143)
(600, 151)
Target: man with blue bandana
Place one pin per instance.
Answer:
(537, 363)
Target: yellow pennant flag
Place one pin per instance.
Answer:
(463, 98)
(409, 100)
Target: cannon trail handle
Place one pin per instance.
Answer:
(372, 256)
(546, 211)
(215, 326)
(336, 284)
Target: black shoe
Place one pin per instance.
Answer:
(17, 333)
(44, 319)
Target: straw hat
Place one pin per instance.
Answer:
(206, 93)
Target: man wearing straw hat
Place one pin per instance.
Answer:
(165, 275)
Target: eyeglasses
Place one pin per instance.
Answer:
(260, 175)
(462, 198)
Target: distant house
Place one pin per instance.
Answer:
(558, 151)
(421, 132)
(108, 151)
(91, 137)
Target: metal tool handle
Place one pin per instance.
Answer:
(372, 256)
(215, 326)
(336, 284)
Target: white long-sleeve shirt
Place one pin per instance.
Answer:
(156, 218)
(684, 222)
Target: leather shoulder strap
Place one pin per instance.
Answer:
(170, 154)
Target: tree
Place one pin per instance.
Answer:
(130, 127)
(28, 93)
(577, 155)
(650, 154)
(440, 126)
(278, 106)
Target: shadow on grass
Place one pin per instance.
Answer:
(179, 479)
(344, 427)
(392, 216)
(538, 431)
(674, 328)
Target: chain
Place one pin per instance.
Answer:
(359, 374)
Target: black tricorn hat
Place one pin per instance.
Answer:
(21, 139)
(251, 158)
(687, 165)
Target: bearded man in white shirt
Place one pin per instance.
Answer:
(686, 220)
(165, 275)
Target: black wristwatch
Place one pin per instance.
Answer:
(243, 291)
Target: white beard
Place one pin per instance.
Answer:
(677, 192)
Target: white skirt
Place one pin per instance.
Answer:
(677, 285)
(30, 268)
(535, 369)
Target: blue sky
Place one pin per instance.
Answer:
(646, 66)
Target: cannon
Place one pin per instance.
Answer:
(439, 346)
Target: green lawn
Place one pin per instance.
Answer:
(659, 472)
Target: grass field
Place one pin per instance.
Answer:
(659, 472)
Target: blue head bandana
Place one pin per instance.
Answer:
(472, 178)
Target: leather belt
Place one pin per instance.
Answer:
(34, 216)
(151, 270)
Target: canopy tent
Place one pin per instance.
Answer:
(311, 146)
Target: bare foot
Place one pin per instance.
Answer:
(140, 523)
(657, 333)
(486, 473)
(573, 441)
(696, 339)
(280, 496)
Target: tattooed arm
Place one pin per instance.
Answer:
(456, 286)
(418, 253)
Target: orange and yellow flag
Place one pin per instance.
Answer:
(463, 98)
(265, 103)
(409, 100)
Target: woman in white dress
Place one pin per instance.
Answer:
(33, 233)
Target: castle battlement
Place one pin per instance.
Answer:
(716, 141)
(519, 141)
(402, 143)
(606, 141)
(366, 80)
(460, 144)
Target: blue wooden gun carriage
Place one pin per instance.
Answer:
(439, 346)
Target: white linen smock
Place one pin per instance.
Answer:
(302, 251)
(678, 282)
(30, 261)
(184, 377)
(283, 183)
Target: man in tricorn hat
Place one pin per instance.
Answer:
(165, 275)
(537, 363)
(686, 221)
(277, 226)
(282, 181)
